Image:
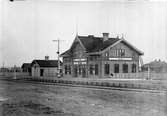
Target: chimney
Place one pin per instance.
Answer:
(105, 36)
(46, 57)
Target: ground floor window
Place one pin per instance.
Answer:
(133, 68)
(106, 69)
(84, 71)
(91, 69)
(67, 69)
(125, 68)
(75, 71)
(116, 68)
(96, 69)
(79, 69)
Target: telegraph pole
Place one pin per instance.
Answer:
(58, 53)
(148, 72)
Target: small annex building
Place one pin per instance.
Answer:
(44, 68)
(26, 68)
(98, 57)
(156, 66)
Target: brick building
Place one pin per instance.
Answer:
(99, 57)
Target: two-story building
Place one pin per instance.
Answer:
(91, 56)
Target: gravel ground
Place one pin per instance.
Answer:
(25, 99)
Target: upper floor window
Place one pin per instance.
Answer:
(93, 58)
(106, 54)
(119, 52)
(66, 59)
(122, 52)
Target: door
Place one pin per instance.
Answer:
(41, 72)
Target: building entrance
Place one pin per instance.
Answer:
(80, 71)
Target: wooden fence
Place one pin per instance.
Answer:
(140, 75)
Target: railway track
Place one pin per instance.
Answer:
(82, 85)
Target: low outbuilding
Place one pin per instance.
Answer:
(44, 68)
(26, 68)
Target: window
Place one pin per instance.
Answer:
(91, 58)
(69, 69)
(91, 69)
(106, 69)
(119, 52)
(96, 69)
(116, 68)
(66, 59)
(79, 69)
(125, 68)
(133, 68)
(106, 54)
(65, 69)
(122, 52)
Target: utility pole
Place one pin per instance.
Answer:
(58, 53)
(148, 72)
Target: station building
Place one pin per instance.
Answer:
(100, 57)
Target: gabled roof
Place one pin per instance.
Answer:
(46, 63)
(26, 65)
(156, 64)
(94, 44)
(66, 53)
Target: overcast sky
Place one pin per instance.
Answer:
(28, 27)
